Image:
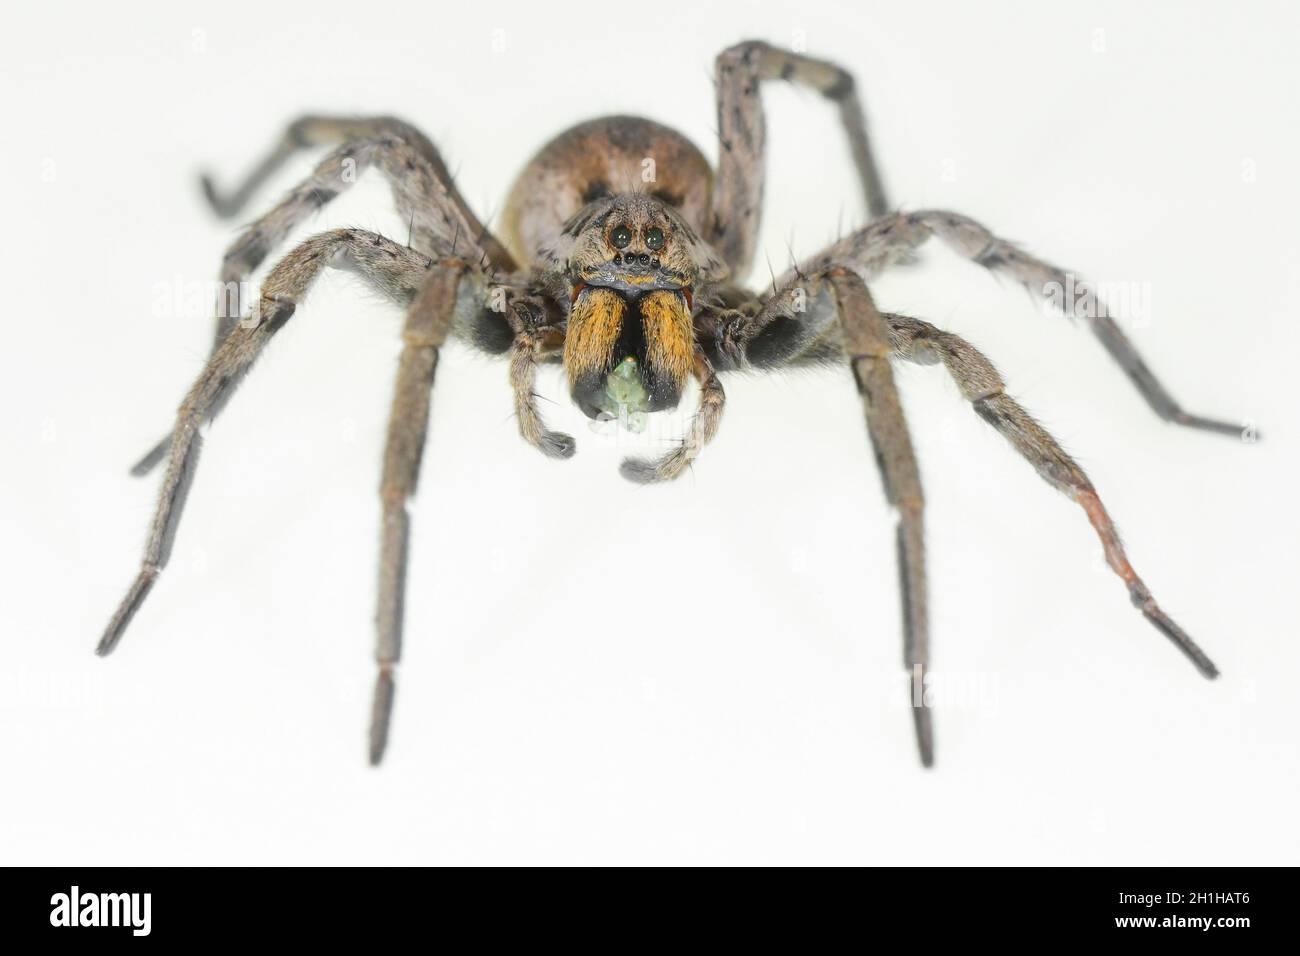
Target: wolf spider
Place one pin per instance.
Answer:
(634, 292)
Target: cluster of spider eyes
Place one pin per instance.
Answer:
(621, 237)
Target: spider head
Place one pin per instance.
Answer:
(632, 263)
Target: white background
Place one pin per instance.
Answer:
(702, 673)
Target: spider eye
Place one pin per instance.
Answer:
(621, 237)
(654, 237)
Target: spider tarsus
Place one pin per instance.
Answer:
(140, 588)
(924, 725)
(151, 458)
(385, 688)
(1181, 640)
(643, 471)
(557, 445)
(1237, 430)
(223, 207)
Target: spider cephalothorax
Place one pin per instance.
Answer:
(632, 264)
(619, 256)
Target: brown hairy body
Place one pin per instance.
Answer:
(622, 255)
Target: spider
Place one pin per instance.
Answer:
(633, 292)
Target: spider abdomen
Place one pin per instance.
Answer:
(599, 158)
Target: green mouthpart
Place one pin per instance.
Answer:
(625, 397)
